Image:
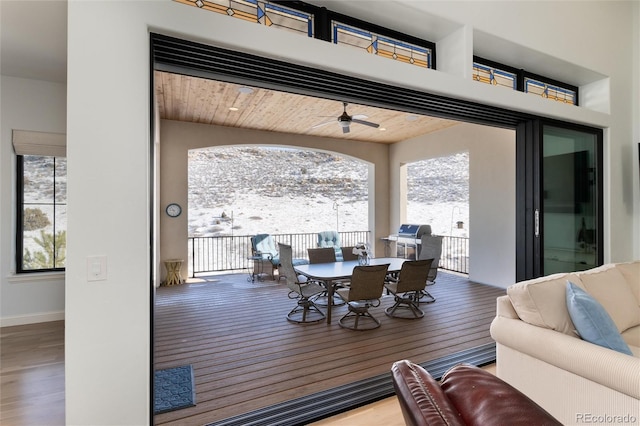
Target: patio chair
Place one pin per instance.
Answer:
(305, 311)
(265, 253)
(365, 291)
(324, 255)
(347, 253)
(321, 255)
(407, 289)
(331, 239)
(431, 248)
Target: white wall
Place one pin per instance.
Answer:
(26, 105)
(107, 336)
(491, 150)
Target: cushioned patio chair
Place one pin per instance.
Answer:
(365, 291)
(407, 289)
(331, 239)
(305, 311)
(265, 251)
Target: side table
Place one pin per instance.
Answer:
(173, 271)
(257, 268)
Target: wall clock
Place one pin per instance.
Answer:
(173, 210)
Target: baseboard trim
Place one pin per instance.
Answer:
(311, 408)
(31, 319)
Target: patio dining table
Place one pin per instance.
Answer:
(329, 273)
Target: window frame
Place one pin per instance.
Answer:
(522, 74)
(323, 22)
(20, 204)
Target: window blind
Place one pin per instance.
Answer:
(27, 142)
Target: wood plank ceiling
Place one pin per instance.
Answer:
(199, 100)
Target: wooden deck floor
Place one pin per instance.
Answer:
(247, 356)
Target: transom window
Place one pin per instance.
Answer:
(317, 22)
(496, 74)
(380, 45)
(261, 12)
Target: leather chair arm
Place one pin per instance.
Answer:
(483, 399)
(421, 398)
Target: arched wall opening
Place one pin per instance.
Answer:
(178, 138)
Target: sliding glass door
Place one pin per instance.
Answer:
(560, 198)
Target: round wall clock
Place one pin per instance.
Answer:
(173, 210)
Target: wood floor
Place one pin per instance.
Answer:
(32, 374)
(242, 365)
(246, 356)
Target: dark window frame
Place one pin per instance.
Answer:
(521, 74)
(323, 18)
(20, 204)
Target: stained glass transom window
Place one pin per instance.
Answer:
(494, 76)
(549, 91)
(382, 46)
(261, 12)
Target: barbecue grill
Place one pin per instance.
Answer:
(408, 238)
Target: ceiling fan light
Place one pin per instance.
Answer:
(344, 123)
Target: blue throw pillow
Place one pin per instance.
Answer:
(592, 322)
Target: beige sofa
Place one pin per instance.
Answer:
(539, 352)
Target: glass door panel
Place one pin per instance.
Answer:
(569, 210)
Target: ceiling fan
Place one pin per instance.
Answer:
(345, 120)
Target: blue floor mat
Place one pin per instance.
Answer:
(174, 388)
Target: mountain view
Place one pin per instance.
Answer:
(249, 190)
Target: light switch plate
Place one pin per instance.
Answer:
(96, 268)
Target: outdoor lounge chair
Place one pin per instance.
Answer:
(265, 252)
(331, 239)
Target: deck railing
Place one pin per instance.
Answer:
(231, 253)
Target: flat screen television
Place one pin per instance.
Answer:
(566, 182)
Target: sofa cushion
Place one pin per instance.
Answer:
(542, 302)
(632, 337)
(631, 273)
(610, 288)
(592, 321)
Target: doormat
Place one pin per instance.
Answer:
(174, 388)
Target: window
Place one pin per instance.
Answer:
(496, 74)
(549, 89)
(41, 195)
(386, 47)
(261, 12)
(318, 22)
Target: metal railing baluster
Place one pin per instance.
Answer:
(230, 253)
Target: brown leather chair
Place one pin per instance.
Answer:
(466, 395)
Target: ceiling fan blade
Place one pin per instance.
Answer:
(359, 117)
(323, 124)
(366, 123)
(345, 129)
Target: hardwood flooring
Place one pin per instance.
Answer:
(32, 374)
(246, 356)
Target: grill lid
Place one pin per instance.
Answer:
(413, 231)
